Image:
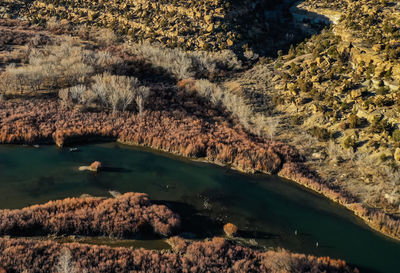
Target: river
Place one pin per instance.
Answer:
(269, 211)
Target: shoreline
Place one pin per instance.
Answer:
(185, 135)
(364, 219)
(291, 178)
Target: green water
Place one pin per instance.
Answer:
(266, 208)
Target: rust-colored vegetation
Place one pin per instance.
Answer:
(230, 229)
(130, 214)
(216, 255)
(194, 118)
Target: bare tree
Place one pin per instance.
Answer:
(118, 92)
(65, 263)
(142, 94)
(272, 126)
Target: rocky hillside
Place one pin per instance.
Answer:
(205, 24)
(337, 99)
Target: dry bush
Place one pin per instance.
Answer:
(216, 255)
(235, 104)
(141, 96)
(127, 215)
(105, 61)
(53, 66)
(265, 126)
(173, 61)
(183, 64)
(64, 64)
(230, 229)
(65, 263)
(104, 37)
(109, 92)
(58, 26)
(119, 92)
(73, 95)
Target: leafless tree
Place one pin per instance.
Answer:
(272, 126)
(65, 263)
(142, 94)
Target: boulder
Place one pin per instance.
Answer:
(94, 167)
(397, 155)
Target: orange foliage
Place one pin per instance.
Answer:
(95, 166)
(230, 229)
(177, 124)
(216, 255)
(128, 214)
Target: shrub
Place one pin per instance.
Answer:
(219, 97)
(354, 121)
(141, 96)
(321, 133)
(73, 95)
(103, 36)
(379, 126)
(349, 142)
(296, 120)
(119, 92)
(396, 135)
(127, 215)
(65, 263)
(230, 229)
(183, 65)
(215, 255)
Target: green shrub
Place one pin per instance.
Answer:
(379, 126)
(354, 121)
(349, 142)
(321, 133)
(396, 135)
(296, 120)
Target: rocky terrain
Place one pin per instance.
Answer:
(336, 96)
(191, 25)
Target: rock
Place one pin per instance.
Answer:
(377, 47)
(397, 155)
(369, 116)
(230, 229)
(115, 194)
(318, 156)
(356, 93)
(94, 167)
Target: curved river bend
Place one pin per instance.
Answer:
(268, 210)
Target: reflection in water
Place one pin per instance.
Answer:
(270, 212)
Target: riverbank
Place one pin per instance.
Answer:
(40, 121)
(216, 255)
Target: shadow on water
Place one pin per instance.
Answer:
(194, 224)
(42, 185)
(268, 210)
(257, 234)
(115, 170)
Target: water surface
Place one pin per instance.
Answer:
(268, 210)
